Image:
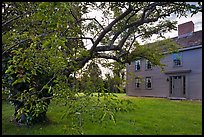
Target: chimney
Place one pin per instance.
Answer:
(185, 29)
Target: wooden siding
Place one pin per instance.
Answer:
(191, 60)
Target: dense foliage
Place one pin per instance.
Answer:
(43, 47)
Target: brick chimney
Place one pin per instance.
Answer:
(185, 29)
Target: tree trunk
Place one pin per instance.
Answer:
(30, 117)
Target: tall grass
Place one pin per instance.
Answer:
(150, 116)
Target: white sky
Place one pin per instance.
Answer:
(196, 19)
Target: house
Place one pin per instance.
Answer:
(182, 76)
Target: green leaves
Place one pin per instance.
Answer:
(19, 80)
(10, 70)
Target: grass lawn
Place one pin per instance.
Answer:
(152, 116)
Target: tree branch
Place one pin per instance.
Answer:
(125, 53)
(108, 28)
(81, 38)
(38, 92)
(106, 56)
(107, 48)
(132, 42)
(9, 21)
(131, 16)
(115, 47)
(83, 60)
(121, 43)
(45, 98)
(22, 41)
(83, 19)
(139, 22)
(94, 49)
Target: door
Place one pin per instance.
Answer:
(177, 86)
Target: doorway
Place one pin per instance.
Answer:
(177, 86)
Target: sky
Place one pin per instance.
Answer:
(196, 19)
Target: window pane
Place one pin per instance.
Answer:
(177, 59)
(148, 64)
(148, 82)
(137, 82)
(137, 65)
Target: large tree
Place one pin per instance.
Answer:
(43, 44)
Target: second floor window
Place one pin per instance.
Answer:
(177, 59)
(148, 65)
(137, 65)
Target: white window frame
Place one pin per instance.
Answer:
(137, 81)
(178, 58)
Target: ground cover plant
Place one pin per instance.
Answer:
(145, 116)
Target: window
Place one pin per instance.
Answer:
(137, 65)
(148, 65)
(177, 62)
(177, 59)
(137, 82)
(148, 83)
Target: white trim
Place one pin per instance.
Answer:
(194, 47)
(187, 48)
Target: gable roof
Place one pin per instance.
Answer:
(191, 40)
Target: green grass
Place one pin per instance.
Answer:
(152, 116)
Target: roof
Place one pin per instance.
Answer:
(177, 71)
(193, 39)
